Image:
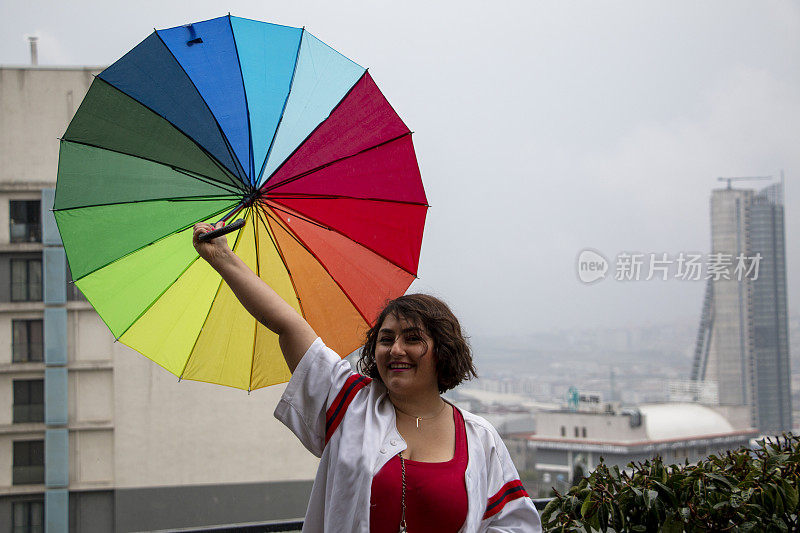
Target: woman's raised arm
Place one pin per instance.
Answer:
(295, 335)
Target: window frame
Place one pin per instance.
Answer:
(29, 350)
(32, 509)
(28, 403)
(31, 225)
(31, 470)
(28, 261)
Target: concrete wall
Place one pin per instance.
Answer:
(36, 105)
(599, 426)
(89, 338)
(169, 433)
(91, 512)
(178, 507)
(729, 352)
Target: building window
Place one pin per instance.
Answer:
(576, 432)
(28, 462)
(26, 221)
(563, 431)
(28, 516)
(28, 400)
(27, 342)
(26, 280)
(583, 432)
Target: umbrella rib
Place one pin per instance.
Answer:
(251, 169)
(200, 177)
(255, 322)
(151, 304)
(174, 199)
(208, 154)
(301, 143)
(216, 294)
(321, 264)
(146, 245)
(311, 196)
(320, 225)
(283, 259)
(228, 146)
(326, 165)
(283, 109)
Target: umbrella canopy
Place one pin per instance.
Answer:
(237, 118)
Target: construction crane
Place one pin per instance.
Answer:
(744, 178)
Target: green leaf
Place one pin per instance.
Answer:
(651, 497)
(790, 494)
(552, 508)
(720, 478)
(666, 490)
(587, 505)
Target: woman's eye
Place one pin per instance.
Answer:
(386, 340)
(413, 338)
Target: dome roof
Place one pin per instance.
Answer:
(666, 421)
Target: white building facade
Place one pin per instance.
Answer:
(569, 441)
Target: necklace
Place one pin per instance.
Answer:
(403, 501)
(418, 418)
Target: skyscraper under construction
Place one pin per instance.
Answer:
(743, 344)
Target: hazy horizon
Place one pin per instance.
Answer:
(541, 129)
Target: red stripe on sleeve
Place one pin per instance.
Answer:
(336, 411)
(508, 492)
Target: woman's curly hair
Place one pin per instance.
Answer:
(451, 349)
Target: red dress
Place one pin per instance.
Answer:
(436, 493)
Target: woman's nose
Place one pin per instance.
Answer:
(397, 348)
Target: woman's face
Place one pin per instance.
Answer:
(404, 354)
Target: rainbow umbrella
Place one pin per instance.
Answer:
(234, 118)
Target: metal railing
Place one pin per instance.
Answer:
(33, 412)
(25, 232)
(288, 525)
(27, 475)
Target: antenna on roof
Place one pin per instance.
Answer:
(34, 50)
(744, 178)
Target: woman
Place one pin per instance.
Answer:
(393, 453)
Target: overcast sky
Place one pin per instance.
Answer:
(541, 128)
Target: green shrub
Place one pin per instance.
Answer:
(743, 490)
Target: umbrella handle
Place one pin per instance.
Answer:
(233, 226)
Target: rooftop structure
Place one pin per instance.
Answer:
(566, 439)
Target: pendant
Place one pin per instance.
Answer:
(402, 527)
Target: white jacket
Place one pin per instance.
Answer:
(348, 421)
